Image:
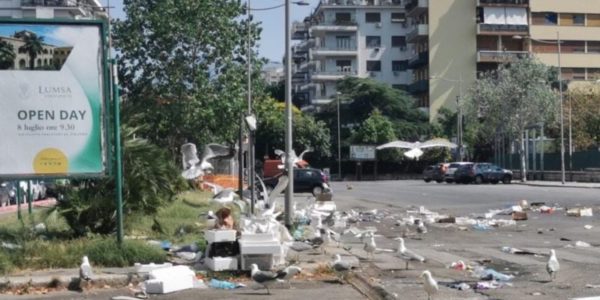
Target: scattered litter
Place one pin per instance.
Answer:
(10, 246)
(582, 244)
(490, 285)
(459, 265)
(565, 239)
(580, 212)
(524, 204)
(491, 274)
(481, 227)
(168, 280)
(592, 286)
(516, 251)
(222, 284)
(460, 286)
(146, 268)
(39, 228)
(537, 294)
(519, 215)
(447, 220)
(588, 226)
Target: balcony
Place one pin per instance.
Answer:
(76, 7)
(299, 31)
(502, 29)
(416, 7)
(511, 3)
(360, 3)
(419, 87)
(490, 56)
(335, 26)
(307, 86)
(421, 31)
(321, 51)
(332, 75)
(419, 60)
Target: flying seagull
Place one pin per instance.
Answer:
(552, 266)
(341, 268)
(264, 278)
(85, 271)
(414, 149)
(430, 285)
(288, 273)
(295, 159)
(193, 166)
(406, 254)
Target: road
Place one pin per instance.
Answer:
(447, 243)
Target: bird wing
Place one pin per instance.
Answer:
(192, 173)
(397, 144)
(190, 155)
(341, 266)
(413, 256)
(85, 271)
(552, 266)
(264, 276)
(282, 183)
(308, 149)
(279, 152)
(437, 143)
(215, 150)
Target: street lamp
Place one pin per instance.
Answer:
(459, 129)
(337, 96)
(562, 114)
(251, 154)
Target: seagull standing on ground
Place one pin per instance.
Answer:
(406, 254)
(370, 247)
(288, 273)
(552, 266)
(264, 278)
(430, 285)
(421, 229)
(85, 271)
(341, 268)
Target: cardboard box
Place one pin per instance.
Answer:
(519, 216)
(215, 236)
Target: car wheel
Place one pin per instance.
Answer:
(439, 181)
(478, 179)
(448, 181)
(317, 190)
(427, 180)
(506, 180)
(494, 181)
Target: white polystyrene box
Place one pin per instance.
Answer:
(270, 247)
(168, 280)
(215, 236)
(146, 268)
(221, 263)
(258, 237)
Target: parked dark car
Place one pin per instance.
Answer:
(305, 181)
(449, 175)
(482, 172)
(435, 172)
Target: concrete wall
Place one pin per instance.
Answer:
(571, 60)
(567, 33)
(452, 51)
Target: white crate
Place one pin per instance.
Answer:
(270, 247)
(221, 263)
(263, 261)
(215, 236)
(257, 237)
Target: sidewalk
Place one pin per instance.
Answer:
(539, 183)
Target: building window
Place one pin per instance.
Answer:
(544, 18)
(343, 18)
(398, 18)
(579, 19)
(593, 47)
(343, 42)
(573, 73)
(398, 41)
(373, 41)
(593, 20)
(373, 65)
(344, 66)
(572, 19)
(372, 17)
(572, 47)
(399, 65)
(593, 74)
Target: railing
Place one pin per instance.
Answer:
(362, 2)
(505, 2)
(419, 87)
(499, 56)
(502, 28)
(336, 48)
(414, 4)
(52, 3)
(420, 29)
(419, 59)
(335, 73)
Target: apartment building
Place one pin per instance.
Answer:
(272, 73)
(50, 57)
(454, 40)
(364, 38)
(51, 9)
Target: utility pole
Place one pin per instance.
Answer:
(289, 164)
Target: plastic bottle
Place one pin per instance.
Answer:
(221, 284)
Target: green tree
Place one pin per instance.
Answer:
(33, 45)
(7, 55)
(376, 130)
(183, 68)
(510, 99)
(585, 106)
(307, 131)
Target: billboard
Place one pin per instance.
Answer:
(362, 152)
(52, 78)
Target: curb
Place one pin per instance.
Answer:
(70, 282)
(557, 185)
(370, 290)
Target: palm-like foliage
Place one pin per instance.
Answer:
(7, 55)
(33, 46)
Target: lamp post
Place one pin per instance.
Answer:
(562, 114)
(459, 129)
(339, 137)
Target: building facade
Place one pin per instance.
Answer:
(363, 38)
(51, 9)
(49, 58)
(272, 73)
(454, 40)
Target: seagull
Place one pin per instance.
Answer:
(415, 151)
(370, 247)
(225, 196)
(296, 160)
(85, 270)
(288, 273)
(430, 285)
(406, 254)
(193, 166)
(552, 266)
(341, 268)
(421, 229)
(264, 278)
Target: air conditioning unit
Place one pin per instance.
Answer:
(378, 25)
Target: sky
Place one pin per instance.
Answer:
(46, 31)
(272, 42)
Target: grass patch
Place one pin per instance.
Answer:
(55, 247)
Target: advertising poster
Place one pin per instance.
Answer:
(362, 152)
(51, 104)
